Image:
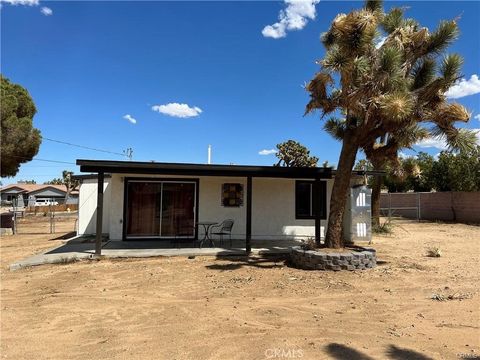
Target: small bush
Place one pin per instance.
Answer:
(434, 252)
(309, 244)
(383, 229)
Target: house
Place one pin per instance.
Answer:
(36, 191)
(129, 200)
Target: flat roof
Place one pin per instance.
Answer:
(137, 167)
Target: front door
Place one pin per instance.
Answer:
(160, 209)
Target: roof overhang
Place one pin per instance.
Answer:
(136, 167)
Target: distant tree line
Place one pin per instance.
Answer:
(449, 171)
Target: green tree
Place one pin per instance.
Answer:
(378, 89)
(293, 154)
(55, 181)
(20, 140)
(425, 181)
(457, 171)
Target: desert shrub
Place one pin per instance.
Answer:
(309, 244)
(434, 252)
(385, 228)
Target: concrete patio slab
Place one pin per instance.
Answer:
(77, 249)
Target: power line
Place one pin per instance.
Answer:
(83, 147)
(38, 159)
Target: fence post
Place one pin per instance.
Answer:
(389, 205)
(419, 216)
(14, 203)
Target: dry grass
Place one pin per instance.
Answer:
(207, 308)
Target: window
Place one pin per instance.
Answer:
(232, 195)
(305, 205)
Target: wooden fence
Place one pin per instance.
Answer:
(55, 208)
(445, 206)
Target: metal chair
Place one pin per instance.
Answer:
(223, 229)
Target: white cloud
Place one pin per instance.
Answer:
(130, 118)
(477, 132)
(464, 88)
(438, 143)
(177, 110)
(403, 155)
(294, 17)
(267, 152)
(21, 2)
(46, 11)
(477, 117)
(380, 42)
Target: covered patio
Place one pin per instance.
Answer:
(316, 176)
(81, 248)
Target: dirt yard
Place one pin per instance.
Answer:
(208, 308)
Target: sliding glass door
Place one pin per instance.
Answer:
(143, 209)
(160, 209)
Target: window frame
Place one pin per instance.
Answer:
(240, 199)
(323, 200)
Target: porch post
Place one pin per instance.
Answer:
(317, 208)
(98, 239)
(248, 237)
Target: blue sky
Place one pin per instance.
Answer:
(89, 64)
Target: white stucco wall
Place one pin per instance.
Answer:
(87, 206)
(273, 206)
(273, 210)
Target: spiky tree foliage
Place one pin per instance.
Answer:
(383, 152)
(293, 154)
(69, 182)
(381, 91)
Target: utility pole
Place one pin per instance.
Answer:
(128, 153)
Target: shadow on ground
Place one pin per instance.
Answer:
(395, 352)
(341, 352)
(237, 262)
(66, 236)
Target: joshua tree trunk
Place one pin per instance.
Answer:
(67, 194)
(341, 186)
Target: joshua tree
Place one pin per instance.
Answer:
(382, 89)
(291, 153)
(69, 183)
(384, 152)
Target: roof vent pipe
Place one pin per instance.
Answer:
(209, 160)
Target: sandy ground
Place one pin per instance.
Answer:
(207, 308)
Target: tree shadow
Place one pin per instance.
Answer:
(341, 352)
(396, 352)
(66, 236)
(237, 262)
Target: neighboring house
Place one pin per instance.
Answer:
(148, 200)
(54, 192)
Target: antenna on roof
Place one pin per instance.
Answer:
(128, 153)
(209, 159)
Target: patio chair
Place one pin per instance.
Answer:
(223, 229)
